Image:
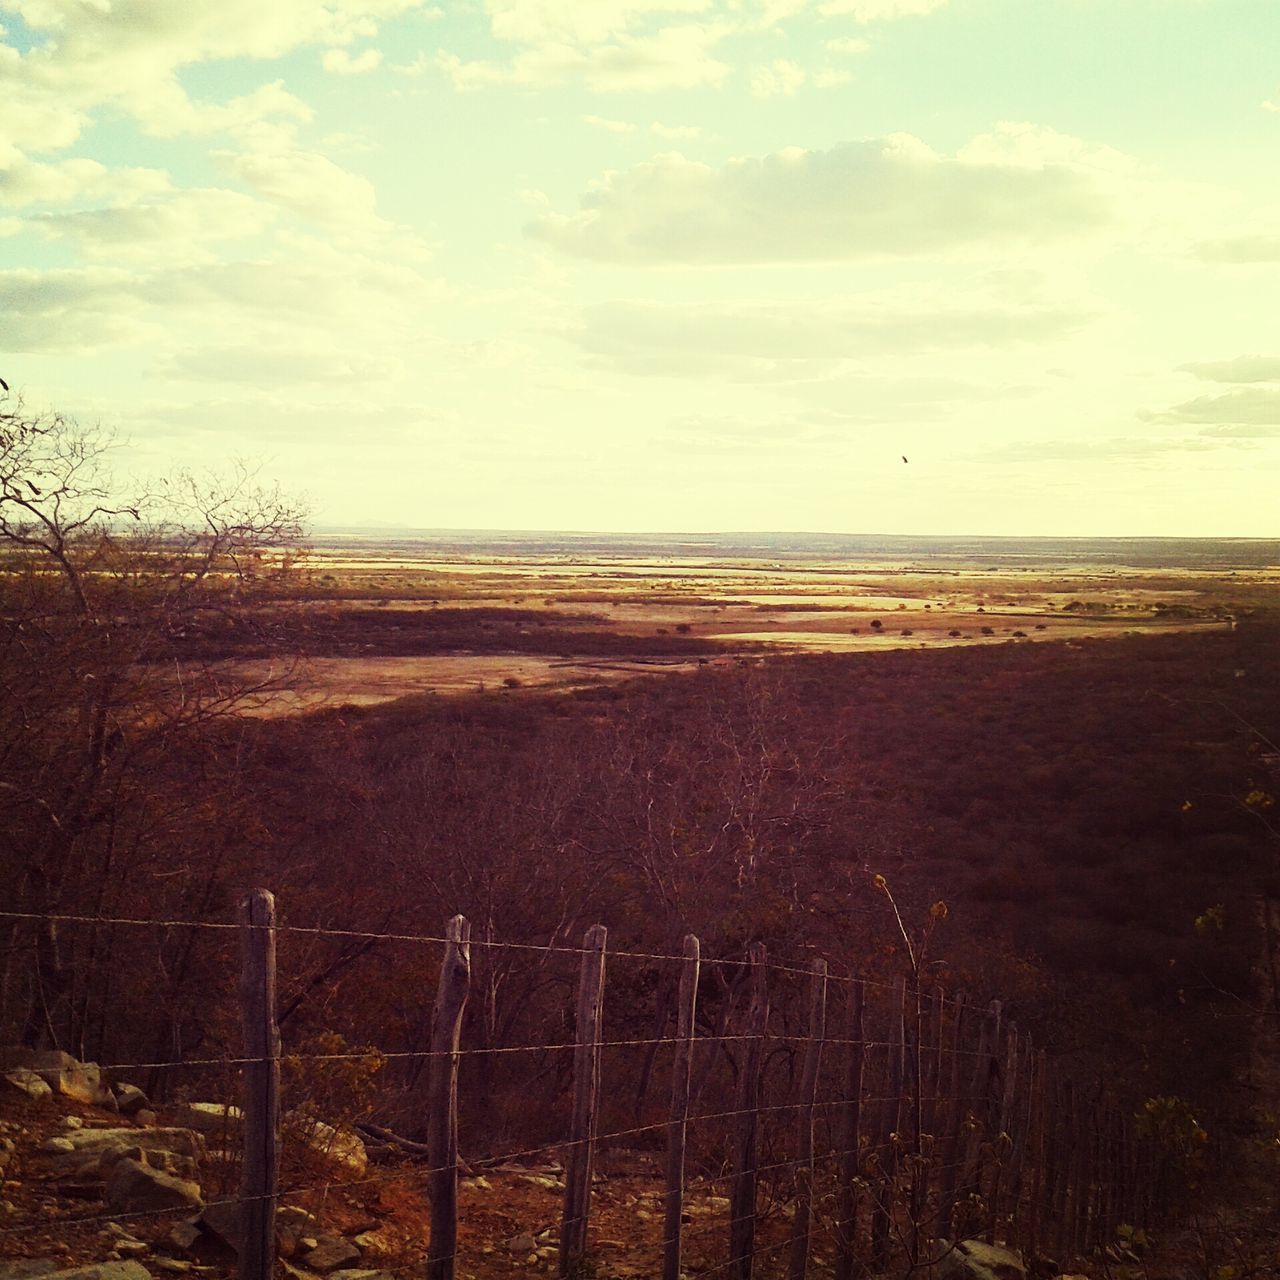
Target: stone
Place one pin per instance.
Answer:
(339, 1145)
(78, 1081)
(332, 1253)
(24, 1268)
(89, 1146)
(72, 1122)
(222, 1221)
(121, 1270)
(977, 1260)
(356, 1273)
(138, 1188)
(145, 1117)
(182, 1236)
(209, 1117)
(130, 1248)
(24, 1079)
(130, 1099)
(525, 1242)
(57, 1146)
(175, 1266)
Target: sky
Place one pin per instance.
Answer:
(661, 265)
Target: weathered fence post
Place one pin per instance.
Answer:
(850, 1138)
(678, 1116)
(586, 1092)
(742, 1197)
(261, 1087)
(885, 1210)
(815, 1034)
(442, 1098)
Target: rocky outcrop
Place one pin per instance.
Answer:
(341, 1146)
(214, 1119)
(77, 1081)
(977, 1260)
(134, 1187)
(46, 1269)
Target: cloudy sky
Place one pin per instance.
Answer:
(662, 264)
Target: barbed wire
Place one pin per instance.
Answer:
(435, 939)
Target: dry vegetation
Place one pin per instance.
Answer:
(1089, 786)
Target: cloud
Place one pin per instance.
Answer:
(340, 62)
(609, 126)
(676, 57)
(779, 78)
(184, 226)
(1248, 406)
(305, 182)
(87, 55)
(848, 45)
(275, 365)
(24, 182)
(1110, 449)
(1240, 249)
(879, 10)
(889, 196)
(1241, 369)
(771, 342)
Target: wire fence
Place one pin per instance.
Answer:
(875, 1123)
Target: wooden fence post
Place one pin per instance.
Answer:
(258, 1187)
(678, 1115)
(885, 1208)
(742, 1196)
(851, 1138)
(816, 1032)
(586, 1092)
(442, 1098)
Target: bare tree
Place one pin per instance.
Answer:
(102, 590)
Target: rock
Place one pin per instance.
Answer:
(130, 1099)
(137, 1188)
(294, 1214)
(57, 1146)
(357, 1273)
(174, 1266)
(223, 1222)
(24, 1268)
(24, 1079)
(339, 1145)
(122, 1270)
(523, 1243)
(332, 1253)
(977, 1260)
(209, 1117)
(90, 1146)
(72, 1122)
(145, 1117)
(130, 1248)
(182, 1236)
(79, 1081)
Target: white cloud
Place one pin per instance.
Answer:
(676, 57)
(25, 182)
(305, 182)
(771, 342)
(879, 10)
(889, 196)
(1248, 406)
(1241, 369)
(675, 132)
(609, 126)
(129, 55)
(780, 77)
(183, 227)
(340, 62)
(1241, 250)
(848, 45)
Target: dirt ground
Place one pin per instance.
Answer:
(749, 608)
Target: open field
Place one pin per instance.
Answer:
(448, 615)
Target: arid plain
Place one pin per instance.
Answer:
(451, 614)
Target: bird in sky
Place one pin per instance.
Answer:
(904, 457)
